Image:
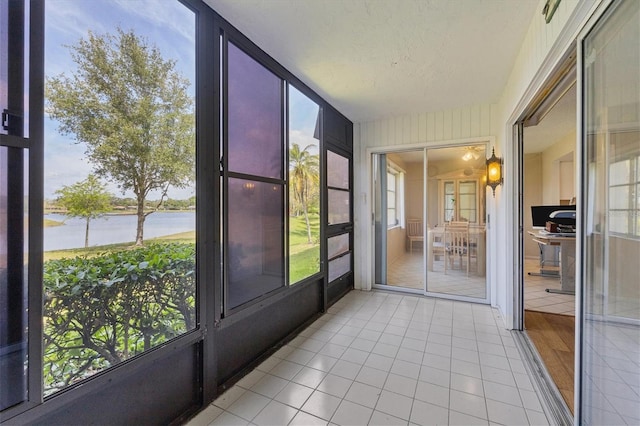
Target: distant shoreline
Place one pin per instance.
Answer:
(52, 222)
(123, 212)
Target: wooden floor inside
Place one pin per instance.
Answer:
(553, 336)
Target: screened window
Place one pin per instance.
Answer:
(255, 180)
(338, 191)
(304, 186)
(119, 185)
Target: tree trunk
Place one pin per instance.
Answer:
(86, 234)
(306, 218)
(140, 224)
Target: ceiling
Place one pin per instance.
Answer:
(373, 59)
(556, 125)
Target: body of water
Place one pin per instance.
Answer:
(113, 229)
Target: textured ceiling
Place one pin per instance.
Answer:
(383, 58)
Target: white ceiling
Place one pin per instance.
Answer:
(558, 124)
(381, 58)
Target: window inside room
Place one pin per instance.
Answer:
(624, 186)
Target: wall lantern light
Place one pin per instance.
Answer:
(494, 171)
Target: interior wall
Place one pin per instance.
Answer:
(432, 206)
(414, 194)
(623, 274)
(396, 236)
(395, 243)
(532, 197)
(552, 157)
(567, 179)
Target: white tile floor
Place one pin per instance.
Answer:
(384, 359)
(407, 271)
(535, 296)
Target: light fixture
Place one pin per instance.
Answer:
(471, 153)
(494, 171)
(248, 188)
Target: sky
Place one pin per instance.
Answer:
(167, 24)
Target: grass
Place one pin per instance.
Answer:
(50, 222)
(304, 257)
(182, 237)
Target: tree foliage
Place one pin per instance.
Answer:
(304, 176)
(131, 109)
(87, 199)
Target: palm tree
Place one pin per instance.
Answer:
(303, 172)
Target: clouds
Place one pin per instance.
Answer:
(167, 24)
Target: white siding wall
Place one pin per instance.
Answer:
(475, 122)
(541, 50)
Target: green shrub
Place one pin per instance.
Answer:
(102, 310)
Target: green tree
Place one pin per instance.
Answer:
(131, 109)
(303, 173)
(87, 199)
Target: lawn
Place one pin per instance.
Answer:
(304, 260)
(183, 237)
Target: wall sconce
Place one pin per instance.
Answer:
(494, 171)
(248, 188)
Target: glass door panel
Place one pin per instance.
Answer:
(455, 237)
(610, 338)
(399, 219)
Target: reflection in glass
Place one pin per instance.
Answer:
(254, 117)
(4, 56)
(340, 266)
(13, 294)
(337, 170)
(108, 302)
(611, 300)
(337, 245)
(255, 256)
(338, 206)
(304, 187)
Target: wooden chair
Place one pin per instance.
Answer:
(415, 232)
(456, 236)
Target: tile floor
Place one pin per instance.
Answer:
(537, 299)
(407, 271)
(379, 358)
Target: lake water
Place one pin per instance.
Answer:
(113, 229)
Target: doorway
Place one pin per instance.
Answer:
(548, 241)
(429, 221)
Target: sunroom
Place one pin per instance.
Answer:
(194, 192)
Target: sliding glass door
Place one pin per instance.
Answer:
(428, 221)
(610, 314)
